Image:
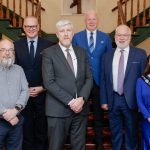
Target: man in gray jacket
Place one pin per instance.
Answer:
(13, 98)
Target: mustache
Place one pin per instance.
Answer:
(7, 62)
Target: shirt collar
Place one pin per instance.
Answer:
(89, 32)
(125, 49)
(64, 48)
(34, 39)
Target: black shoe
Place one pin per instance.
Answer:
(73, 4)
(99, 147)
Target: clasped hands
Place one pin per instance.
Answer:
(10, 115)
(77, 104)
(35, 91)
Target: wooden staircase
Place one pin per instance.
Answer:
(139, 34)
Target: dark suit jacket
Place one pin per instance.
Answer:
(61, 83)
(135, 66)
(33, 72)
(103, 44)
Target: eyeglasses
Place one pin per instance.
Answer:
(6, 50)
(30, 27)
(123, 35)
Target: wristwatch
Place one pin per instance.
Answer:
(19, 108)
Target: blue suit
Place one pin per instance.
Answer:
(102, 45)
(124, 107)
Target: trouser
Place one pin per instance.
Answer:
(11, 136)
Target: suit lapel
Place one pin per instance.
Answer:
(25, 49)
(85, 40)
(99, 39)
(38, 50)
(60, 54)
(110, 64)
(130, 59)
(77, 53)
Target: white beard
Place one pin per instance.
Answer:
(6, 63)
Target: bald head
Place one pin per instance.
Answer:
(6, 44)
(91, 20)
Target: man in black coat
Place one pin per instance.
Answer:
(28, 56)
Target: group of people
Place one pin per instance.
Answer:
(45, 88)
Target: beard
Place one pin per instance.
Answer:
(7, 62)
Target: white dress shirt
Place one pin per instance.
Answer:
(115, 64)
(88, 36)
(73, 56)
(35, 44)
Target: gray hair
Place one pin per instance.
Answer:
(123, 26)
(62, 23)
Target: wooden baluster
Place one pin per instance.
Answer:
(125, 10)
(38, 15)
(32, 7)
(1, 9)
(20, 13)
(131, 17)
(119, 16)
(144, 13)
(7, 10)
(26, 7)
(79, 7)
(14, 15)
(138, 16)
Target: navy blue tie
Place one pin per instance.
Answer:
(32, 51)
(91, 42)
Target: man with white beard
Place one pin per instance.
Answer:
(13, 98)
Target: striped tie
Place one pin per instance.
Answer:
(91, 43)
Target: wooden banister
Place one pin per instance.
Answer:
(116, 7)
(137, 15)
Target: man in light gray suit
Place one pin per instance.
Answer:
(68, 80)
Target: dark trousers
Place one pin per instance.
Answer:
(121, 116)
(98, 113)
(10, 135)
(58, 129)
(35, 124)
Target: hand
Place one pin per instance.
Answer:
(77, 104)
(14, 121)
(148, 120)
(35, 91)
(9, 114)
(104, 106)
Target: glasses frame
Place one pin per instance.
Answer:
(33, 27)
(6, 50)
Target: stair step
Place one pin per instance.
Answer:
(4, 22)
